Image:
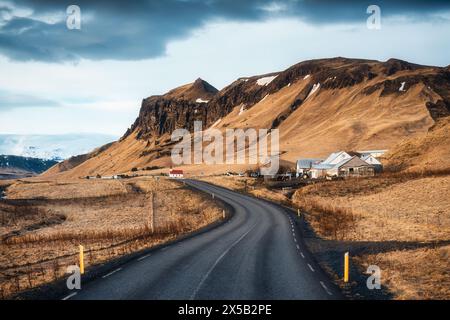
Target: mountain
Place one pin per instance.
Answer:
(198, 91)
(319, 106)
(54, 147)
(12, 167)
(178, 108)
(74, 161)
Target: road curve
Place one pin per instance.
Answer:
(257, 254)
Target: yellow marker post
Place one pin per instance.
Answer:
(81, 259)
(346, 267)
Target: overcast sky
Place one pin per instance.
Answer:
(57, 80)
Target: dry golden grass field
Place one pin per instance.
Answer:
(401, 226)
(44, 222)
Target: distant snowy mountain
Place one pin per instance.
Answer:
(51, 147)
(33, 165)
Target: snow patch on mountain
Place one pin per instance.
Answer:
(266, 80)
(242, 110)
(51, 147)
(314, 89)
(200, 100)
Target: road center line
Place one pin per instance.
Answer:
(303, 256)
(310, 267)
(325, 288)
(217, 262)
(298, 247)
(69, 296)
(111, 273)
(144, 257)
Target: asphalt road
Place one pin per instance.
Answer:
(257, 254)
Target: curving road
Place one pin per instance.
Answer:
(257, 254)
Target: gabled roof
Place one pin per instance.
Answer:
(322, 166)
(307, 163)
(334, 156)
(355, 159)
(331, 157)
(369, 156)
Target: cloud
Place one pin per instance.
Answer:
(142, 29)
(12, 100)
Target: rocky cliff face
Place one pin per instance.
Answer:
(180, 107)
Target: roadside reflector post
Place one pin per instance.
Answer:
(213, 195)
(81, 259)
(346, 267)
(298, 212)
(223, 213)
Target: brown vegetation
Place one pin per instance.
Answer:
(402, 219)
(42, 226)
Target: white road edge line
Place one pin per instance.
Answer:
(69, 296)
(144, 257)
(217, 262)
(325, 288)
(310, 267)
(112, 272)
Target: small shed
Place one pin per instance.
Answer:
(305, 165)
(320, 170)
(176, 173)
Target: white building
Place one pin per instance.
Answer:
(305, 165)
(370, 159)
(341, 164)
(374, 153)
